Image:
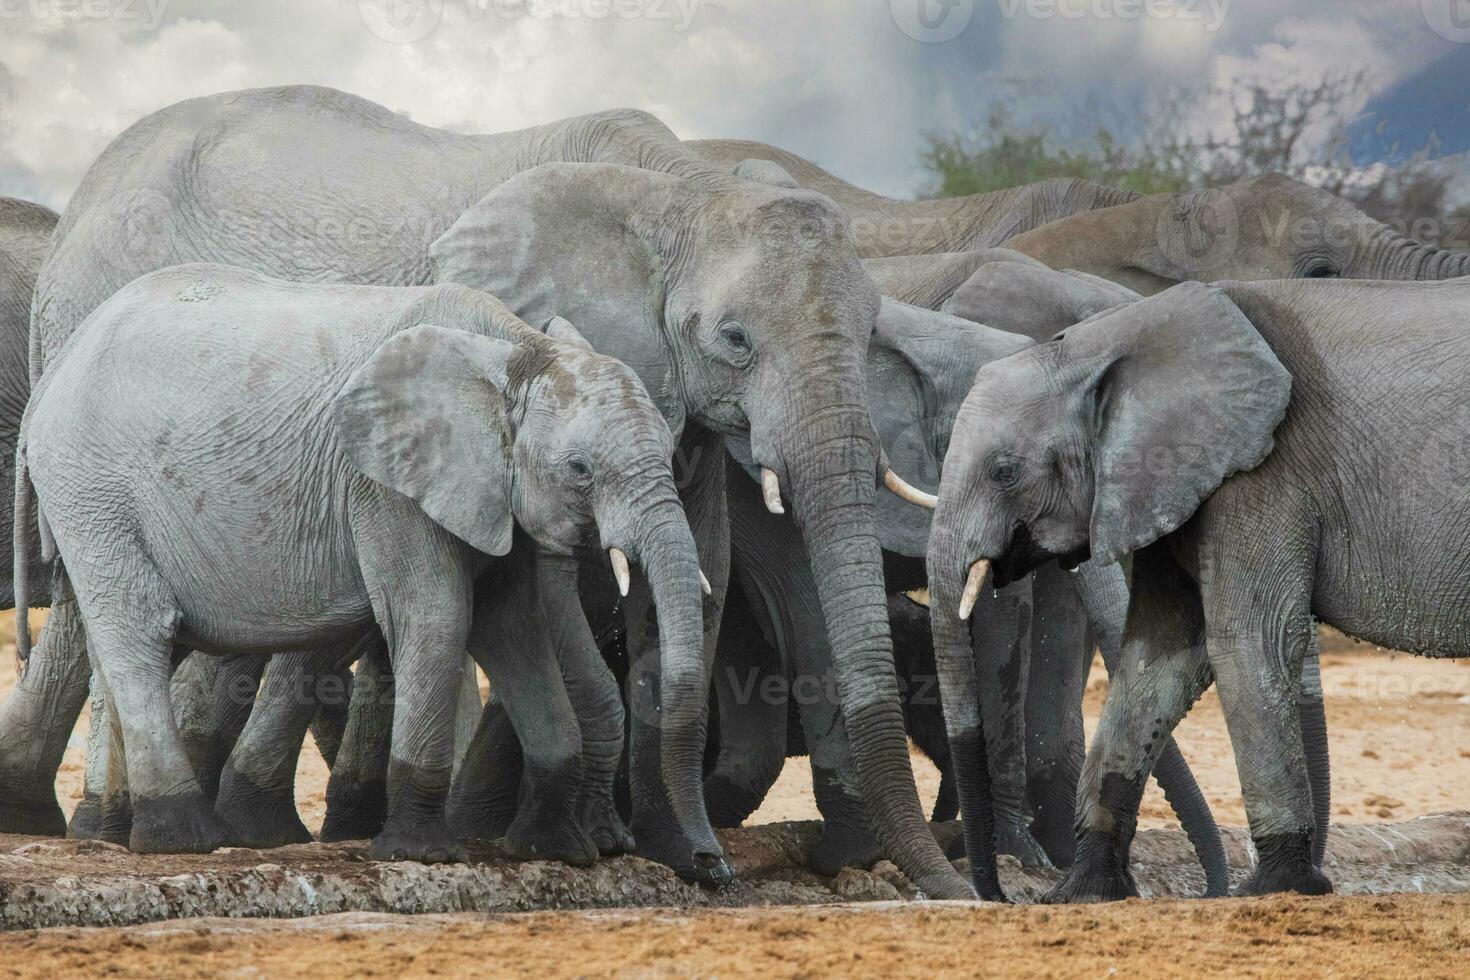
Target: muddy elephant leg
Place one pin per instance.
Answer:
(1256, 646)
(1162, 671)
(36, 721)
(595, 699)
(751, 694)
(487, 787)
(357, 792)
(257, 789)
(1313, 712)
(1000, 636)
(699, 469)
(212, 698)
(515, 652)
(1061, 652)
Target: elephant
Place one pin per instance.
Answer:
(885, 226)
(314, 464)
(741, 304)
(31, 754)
(1246, 444)
(1266, 227)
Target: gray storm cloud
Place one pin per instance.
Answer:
(854, 86)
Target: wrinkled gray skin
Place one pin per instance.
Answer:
(883, 226)
(314, 464)
(1266, 227)
(32, 747)
(740, 304)
(1271, 454)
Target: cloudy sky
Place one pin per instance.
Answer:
(852, 84)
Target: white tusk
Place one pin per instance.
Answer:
(978, 572)
(772, 488)
(902, 490)
(620, 569)
(704, 583)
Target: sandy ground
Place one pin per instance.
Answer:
(1400, 740)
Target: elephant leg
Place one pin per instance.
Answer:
(257, 788)
(131, 621)
(751, 695)
(595, 699)
(1104, 591)
(510, 643)
(1001, 641)
(1255, 648)
(1313, 712)
(357, 792)
(486, 790)
(36, 721)
(699, 469)
(1061, 652)
(212, 697)
(1163, 671)
(329, 725)
(468, 709)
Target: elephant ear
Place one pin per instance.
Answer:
(765, 172)
(1186, 393)
(570, 240)
(1029, 298)
(425, 416)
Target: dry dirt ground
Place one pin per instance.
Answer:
(1400, 741)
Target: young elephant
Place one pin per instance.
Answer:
(1149, 430)
(312, 463)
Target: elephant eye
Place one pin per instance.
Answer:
(579, 468)
(1321, 270)
(736, 338)
(1003, 472)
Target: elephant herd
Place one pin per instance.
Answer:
(306, 401)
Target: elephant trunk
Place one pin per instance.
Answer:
(1193, 810)
(949, 572)
(662, 542)
(831, 458)
(1312, 720)
(1394, 256)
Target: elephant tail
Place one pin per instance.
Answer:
(24, 493)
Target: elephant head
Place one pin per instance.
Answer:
(565, 443)
(742, 305)
(1094, 444)
(1267, 227)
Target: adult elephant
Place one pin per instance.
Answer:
(741, 305)
(1265, 227)
(1247, 447)
(32, 750)
(884, 226)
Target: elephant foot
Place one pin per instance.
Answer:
(424, 844)
(728, 801)
(182, 824)
(539, 839)
(96, 818)
(26, 808)
(355, 811)
(1284, 864)
(602, 823)
(844, 846)
(1100, 873)
(670, 848)
(1016, 840)
(478, 810)
(258, 817)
